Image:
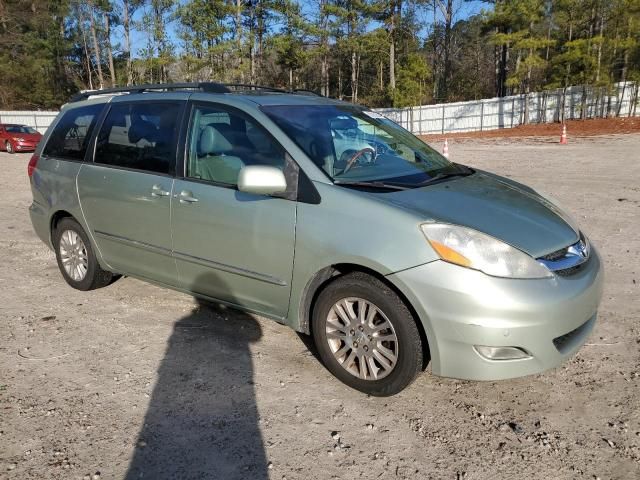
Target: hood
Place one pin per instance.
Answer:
(498, 207)
(28, 137)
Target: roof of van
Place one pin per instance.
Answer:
(251, 93)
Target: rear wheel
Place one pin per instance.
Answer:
(76, 259)
(366, 335)
(8, 146)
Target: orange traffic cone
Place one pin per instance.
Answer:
(445, 149)
(563, 137)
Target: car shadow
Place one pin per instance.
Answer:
(202, 420)
(307, 341)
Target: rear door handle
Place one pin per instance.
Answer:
(187, 197)
(157, 191)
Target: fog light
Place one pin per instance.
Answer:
(501, 353)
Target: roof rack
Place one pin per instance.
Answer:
(249, 86)
(209, 87)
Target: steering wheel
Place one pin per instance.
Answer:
(352, 161)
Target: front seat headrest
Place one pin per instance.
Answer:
(213, 142)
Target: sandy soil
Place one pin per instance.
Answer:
(133, 381)
(575, 129)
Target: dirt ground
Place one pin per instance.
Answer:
(575, 129)
(86, 377)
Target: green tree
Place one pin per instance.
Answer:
(205, 29)
(525, 35)
(289, 44)
(370, 51)
(350, 21)
(157, 54)
(33, 50)
(413, 78)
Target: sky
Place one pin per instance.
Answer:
(462, 9)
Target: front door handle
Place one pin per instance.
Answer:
(187, 197)
(157, 191)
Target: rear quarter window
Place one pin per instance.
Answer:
(71, 134)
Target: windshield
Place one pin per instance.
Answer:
(19, 129)
(354, 145)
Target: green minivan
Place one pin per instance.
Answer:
(322, 215)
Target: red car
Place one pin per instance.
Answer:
(18, 138)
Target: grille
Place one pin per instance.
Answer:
(565, 342)
(569, 260)
(567, 272)
(558, 254)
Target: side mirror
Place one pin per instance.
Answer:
(261, 180)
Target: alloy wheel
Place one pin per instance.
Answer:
(73, 254)
(361, 338)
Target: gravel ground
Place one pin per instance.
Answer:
(133, 381)
(575, 129)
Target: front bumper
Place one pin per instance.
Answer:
(25, 146)
(459, 308)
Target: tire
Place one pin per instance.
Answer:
(88, 275)
(8, 147)
(333, 335)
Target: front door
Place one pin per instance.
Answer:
(126, 193)
(232, 246)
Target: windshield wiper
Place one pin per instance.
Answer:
(462, 171)
(373, 184)
(444, 175)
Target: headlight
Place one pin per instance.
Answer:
(469, 248)
(18, 139)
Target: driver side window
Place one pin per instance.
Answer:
(222, 142)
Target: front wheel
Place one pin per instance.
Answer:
(8, 146)
(76, 259)
(366, 335)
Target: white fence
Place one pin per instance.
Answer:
(508, 112)
(487, 114)
(37, 119)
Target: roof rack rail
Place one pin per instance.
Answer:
(250, 86)
(211, 87)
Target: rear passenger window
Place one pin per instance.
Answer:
(142, 136)
(71, 134)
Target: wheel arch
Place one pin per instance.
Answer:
(55, 220)
(61, 214)
(324, 277)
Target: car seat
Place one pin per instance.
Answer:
(213, 163)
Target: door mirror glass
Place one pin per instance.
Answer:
(261, 180)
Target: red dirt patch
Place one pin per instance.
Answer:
(575, 128)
